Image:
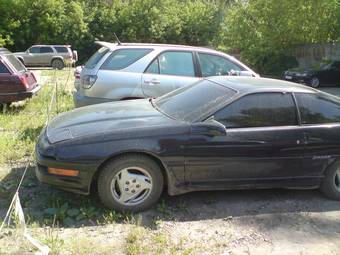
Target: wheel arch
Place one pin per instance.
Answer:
(57, 57)
(164, 170)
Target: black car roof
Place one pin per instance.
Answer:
(256, 84)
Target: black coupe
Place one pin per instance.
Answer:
(326, 74)
(220, 133)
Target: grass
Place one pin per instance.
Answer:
(21, 124)
(49, 211)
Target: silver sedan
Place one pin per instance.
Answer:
(131, 71)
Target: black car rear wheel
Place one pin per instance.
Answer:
(314, 82)
(130, 183)
(331, 183)
(57, 64)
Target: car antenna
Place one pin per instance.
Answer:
(119, 42)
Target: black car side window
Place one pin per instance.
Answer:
(318, 108)
(259, 110)
(3, 69)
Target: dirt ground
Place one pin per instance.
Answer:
(221, 222)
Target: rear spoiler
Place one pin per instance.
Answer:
(106, 44)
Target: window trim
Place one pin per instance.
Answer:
(297, 124)
(194, 61)
(217, 55)
(120, 49)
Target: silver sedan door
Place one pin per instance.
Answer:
(169, 71)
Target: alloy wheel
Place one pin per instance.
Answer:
(131, 186)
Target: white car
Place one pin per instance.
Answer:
(133, 70)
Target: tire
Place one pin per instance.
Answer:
(57, 64)
(330, 185)
(130, 183)
(314, 82)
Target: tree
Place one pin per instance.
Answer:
(265, 31)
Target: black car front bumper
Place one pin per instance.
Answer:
(78, 184)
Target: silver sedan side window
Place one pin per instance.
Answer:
(179, 63)
(212, 65)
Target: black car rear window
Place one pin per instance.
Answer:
(96, 57)
(122, 58)
(60, 49)
(191, 102)
(15, 63)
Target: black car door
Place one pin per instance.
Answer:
(331, 74)
(320, 119)
(263, 143)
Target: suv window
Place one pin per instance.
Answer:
(120, 59)
(60, 49)
(34, 50)
(46, 50)
(212, 65)
(259, 110)
(3, 68)
(318, 108)
(173, 63)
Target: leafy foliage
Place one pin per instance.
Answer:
(262, 31)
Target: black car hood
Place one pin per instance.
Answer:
(107, 117)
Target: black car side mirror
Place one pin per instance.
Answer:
(210, 128)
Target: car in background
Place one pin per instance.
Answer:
(220, 133)
(326, 74)
(56, 56)
(16, 82)
(137, 70)
(76, 74)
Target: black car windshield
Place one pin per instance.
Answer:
(190, 102)
(15, 63)
(96, 57)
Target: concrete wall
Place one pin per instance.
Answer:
(310, 54)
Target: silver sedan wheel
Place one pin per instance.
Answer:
(131, 186)
(337, 180)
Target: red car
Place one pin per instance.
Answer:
(16, 82)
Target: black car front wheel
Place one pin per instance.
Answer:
(331, 183)
(130, 183)
(314, 82)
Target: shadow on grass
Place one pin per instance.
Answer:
(13, 108)
(43, 203)
(30, 133)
